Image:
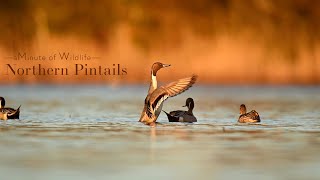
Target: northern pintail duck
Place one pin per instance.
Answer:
(183, 116)
(6, 112)
(245, 117)
(157, 95)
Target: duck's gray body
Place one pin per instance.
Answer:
(183, 116)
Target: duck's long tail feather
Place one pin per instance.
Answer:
(15, 114)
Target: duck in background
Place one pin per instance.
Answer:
(157, 95)
(250, 117)
(7, 112)
(183, 116)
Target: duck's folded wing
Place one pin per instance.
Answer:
(10, 113)
(177, 113)
(254, 115)
(250, 117)
(171, 118)
(14, 112)
(8, 110)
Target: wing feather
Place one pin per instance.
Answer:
(180, 86)
(149, 110)
(162, 99)
(153, 107)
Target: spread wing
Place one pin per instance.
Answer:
(180, 86)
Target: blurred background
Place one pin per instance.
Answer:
(83, 131)
(223, 41)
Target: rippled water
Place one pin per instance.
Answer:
(91, 132)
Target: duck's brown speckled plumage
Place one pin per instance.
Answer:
(250, 117)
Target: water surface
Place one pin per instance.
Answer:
(91, 132)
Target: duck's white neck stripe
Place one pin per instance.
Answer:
(154, 81)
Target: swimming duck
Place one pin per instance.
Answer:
(157, 95)
(183, 116)
(8, 113)
(245, 117)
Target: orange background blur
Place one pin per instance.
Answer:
(223, 41)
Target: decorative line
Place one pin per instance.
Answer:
(9, 57)
(95, 57)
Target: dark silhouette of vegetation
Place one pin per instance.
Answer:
(285, 25)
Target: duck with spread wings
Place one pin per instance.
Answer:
(157, 95)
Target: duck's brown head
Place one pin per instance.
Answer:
(2, 102)
(243, 109)
(157, 66)
(189, 104)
